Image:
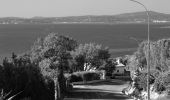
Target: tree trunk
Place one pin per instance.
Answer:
(59, 91)
(55, 89)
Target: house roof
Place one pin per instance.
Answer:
(120, 65)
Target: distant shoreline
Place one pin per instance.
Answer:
(87, 23)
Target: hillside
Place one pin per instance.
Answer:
(135, 17)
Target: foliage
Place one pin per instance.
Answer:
(90, 76)
(91, 54)
(141, 81)
(38, 74)
(109, 66)
(159, 63)
(84, 76)
(45, 62)
(21, 76)
(52, 54)
(124, 59)
(54, 47)
(132, 63)
(162, 82)
(159, 56)
(75, 78)
(48, 69)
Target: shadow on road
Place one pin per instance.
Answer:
(107, 82)
(102, 82)
(96, 91)
(96, 94)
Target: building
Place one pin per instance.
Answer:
(120, 68)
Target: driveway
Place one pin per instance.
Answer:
(99, 90)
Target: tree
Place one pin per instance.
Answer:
(159, 55)
(90, 54)
(53, 55)
(159, 64)
(50, 69)
(54, 47)
(109, 66)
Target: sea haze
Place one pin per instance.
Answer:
(122, 39)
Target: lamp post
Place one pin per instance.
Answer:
(148, 59)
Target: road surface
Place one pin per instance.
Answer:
(99, 90)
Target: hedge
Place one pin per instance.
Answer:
(84, 76)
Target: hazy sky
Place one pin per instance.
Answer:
(57, 8)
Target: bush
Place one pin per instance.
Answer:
(141, 81)
(75, 78)
(24, 78)
(84, 76)
(162, 83)
(90, 76)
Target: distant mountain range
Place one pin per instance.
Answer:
(136, 17)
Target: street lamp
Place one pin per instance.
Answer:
(148, 60)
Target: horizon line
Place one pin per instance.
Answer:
(81, 15)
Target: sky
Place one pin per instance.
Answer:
(60, 8)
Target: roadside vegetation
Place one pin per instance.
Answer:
(53, 62)
(159, 63)
(45, 71)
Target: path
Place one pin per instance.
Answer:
(99, 90)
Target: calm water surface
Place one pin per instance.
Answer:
(122, 39)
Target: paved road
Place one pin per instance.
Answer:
(99, 90)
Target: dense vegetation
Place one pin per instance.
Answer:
(52, 55)
(159, 63)
(84, 76)
(22, 78)
(39, 73)
(92, 55)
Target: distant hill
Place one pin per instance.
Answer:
(143, 16)
(136, 17)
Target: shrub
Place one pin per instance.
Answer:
(141, 81)
(84, 76)
(75, 78)
(90, 76)
(23, 78)
(162, 83)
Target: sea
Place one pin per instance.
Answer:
(121, 39)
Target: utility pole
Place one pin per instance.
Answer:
(148, 58)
